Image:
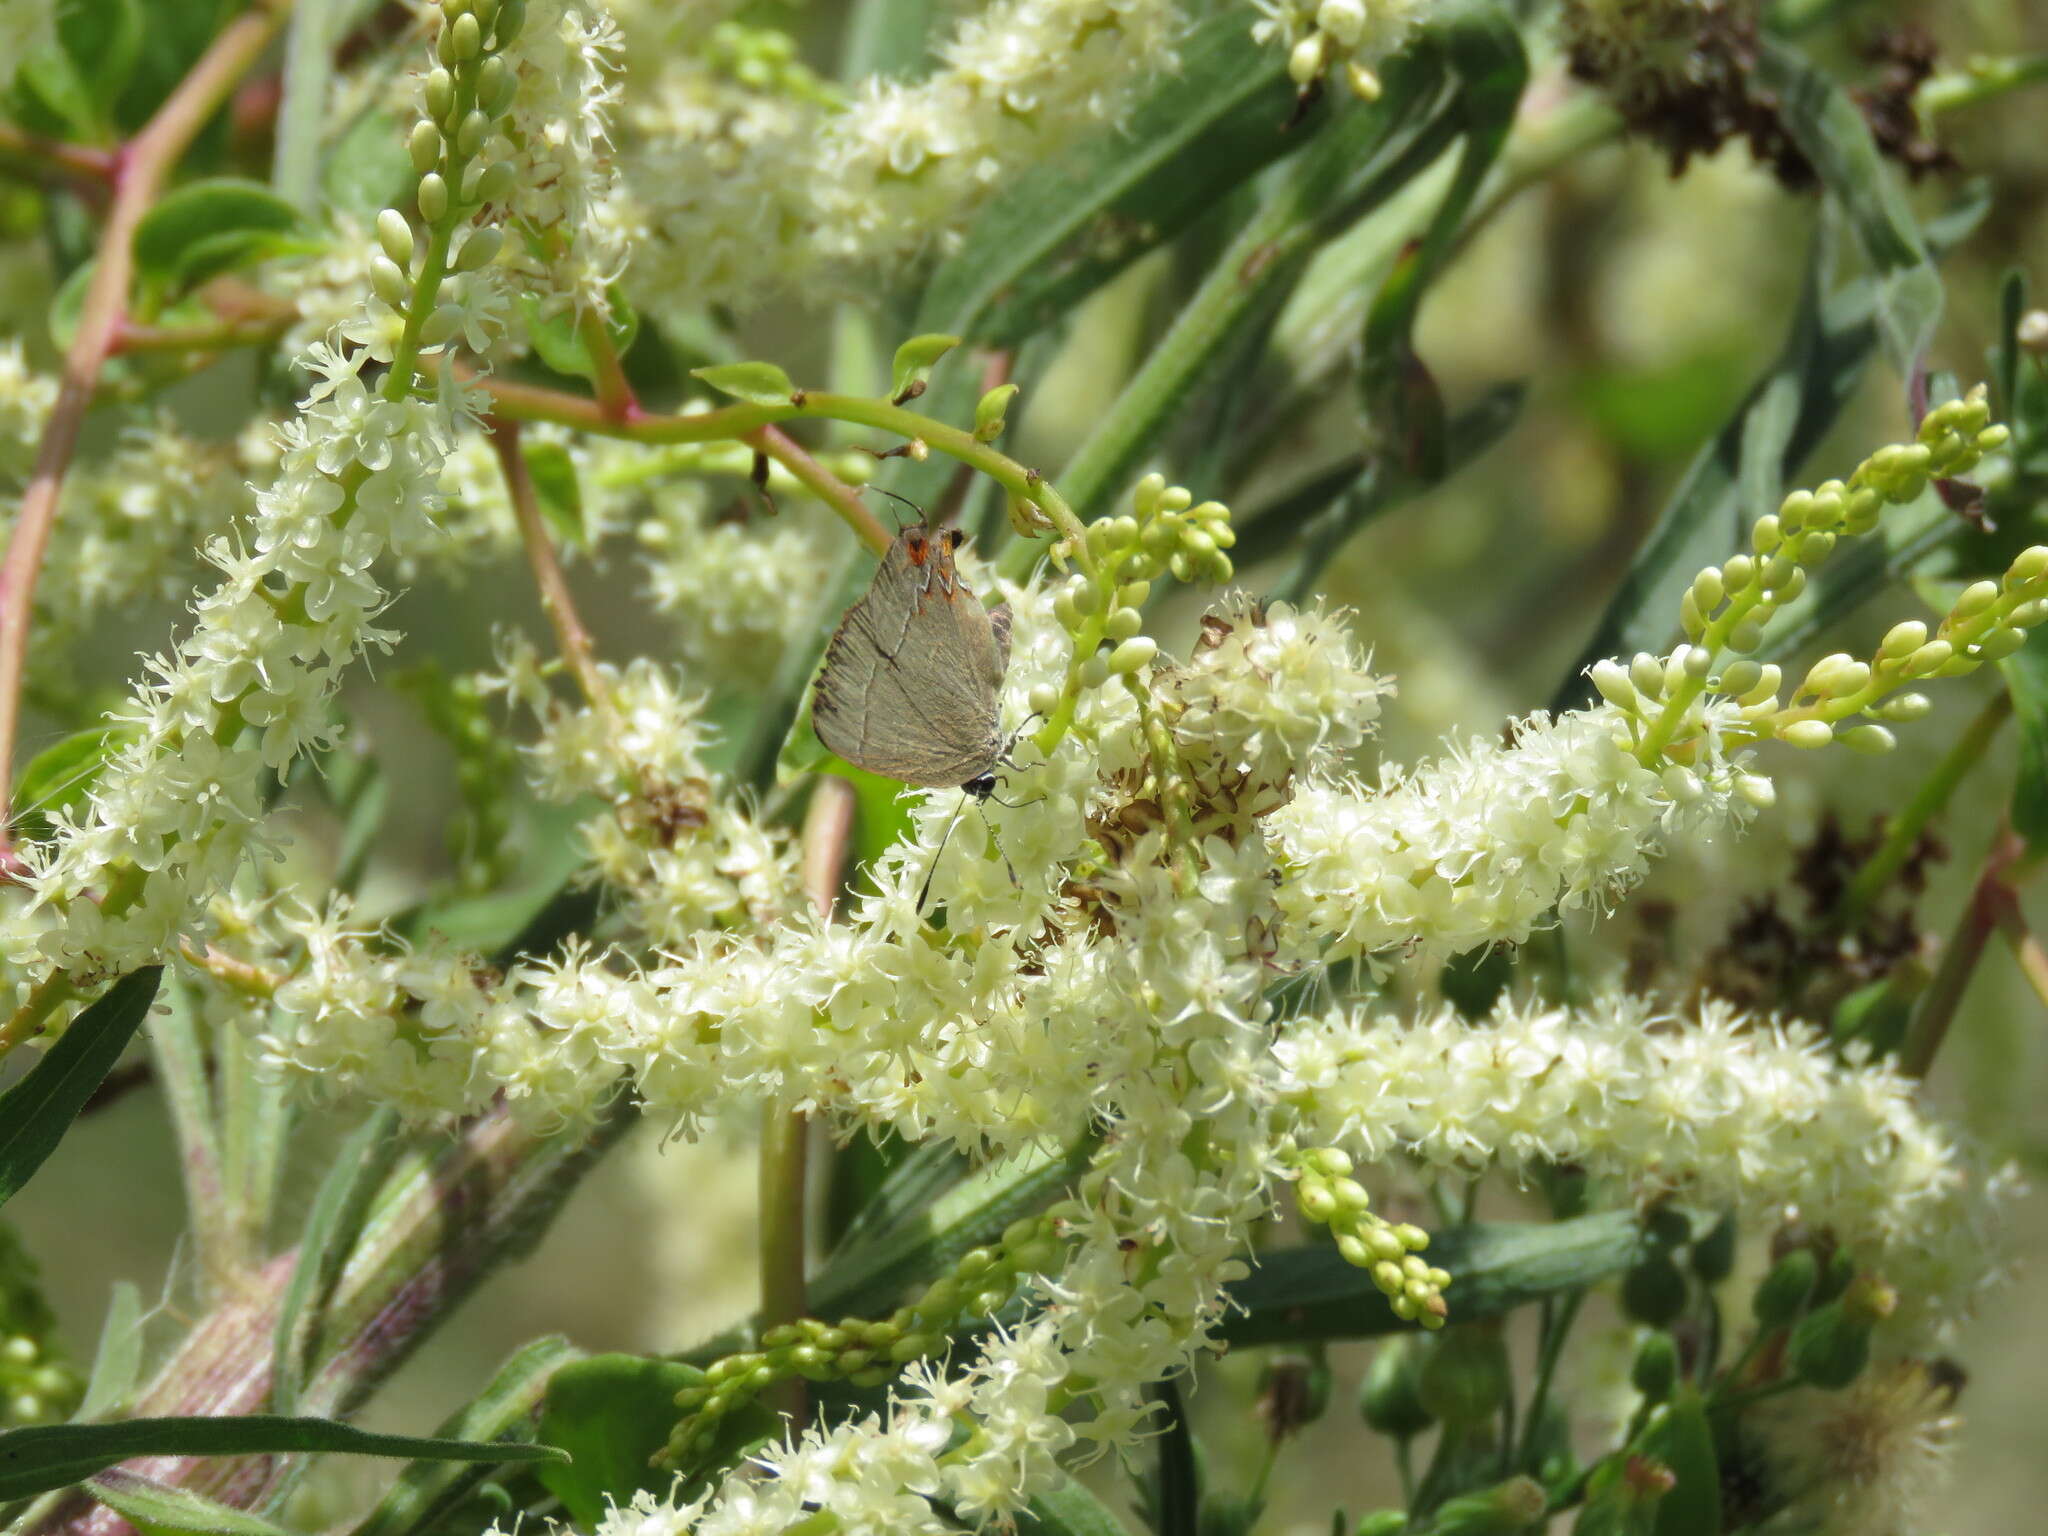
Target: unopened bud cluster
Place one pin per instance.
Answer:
(1726, 608)
(866, 1351)
(1165, 532)
(1326, 36)
(37, 1384)
(1326, 1194)
(468, 91)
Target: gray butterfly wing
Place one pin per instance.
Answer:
(909, 685)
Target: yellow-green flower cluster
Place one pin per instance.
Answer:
(1326, 1194)
(867, 1351)
(1727, 606)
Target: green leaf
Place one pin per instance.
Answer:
(1069, 1510)
(68, 302)
(367, 168)
(612, 1413)
(118, 1364)
(48, 1456)
(1368, 153)
(1678, 1436)
(61, 777)
(79, 76)
(37, 1111)
(329, 1233)
(151, 1506)
(1832, 133)
(1298, 1294)
(425, 1493)
(914, 360)
(1060, 231)
(909, 1182)
(1484, 52)
(559, 339)
(2026, 678)
(557, 489)
(209, 227)
(756, 383)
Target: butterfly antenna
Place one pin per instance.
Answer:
(904, 499)
(926, 889)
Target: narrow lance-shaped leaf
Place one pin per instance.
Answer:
(37, 1111)
(48, 1456)
(506, 1409)
(151, 1506)
(1832, 133)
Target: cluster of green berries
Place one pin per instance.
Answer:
(1326, 1194)
(486, 768)
(1103, 607)
(38, 1384)
(866, 1352)
(469, 89)
(1725, 610)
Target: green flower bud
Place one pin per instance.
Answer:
(433, 197)
(511, 18)
(394, 235)
(1133, 594)
(1901, 639)
(1044, 698)
(1829, 1348)
(1094, 672)
(990, 412)
(1123, 623)
(1767, 535)
(1647, 673)
(1928, 659)
(2029, 566)
(388, 283)
(492, 185)
(1653, 1291)
(1871, 740)
(1383, 1522)
(1807, 735)
(1136, 653)
(1389, 1399)
(462, 41)
(479, 249)
(423, 148)
(1655, 1371)
(1612, 681)
(1713, 1256)
(1502, 1510)
(1783, 1293)
(1466, 1378)
(1999, 644)
(1745, 637)
(1313, 1198)
(440, 94)
(1795, 510)
(1738, 573)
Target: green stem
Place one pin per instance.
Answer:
(784, 1158)
(1549, 1352)
(1979, 920)
(1979, 81)
(1902, 832)
(527, 402)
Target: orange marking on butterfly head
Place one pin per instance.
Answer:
(917, 546)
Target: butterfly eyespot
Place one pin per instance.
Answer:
(954, 539)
